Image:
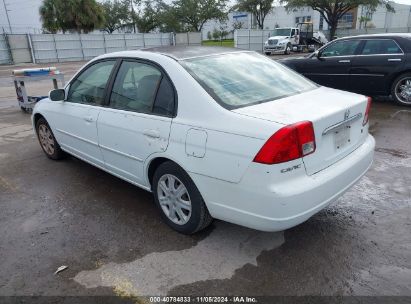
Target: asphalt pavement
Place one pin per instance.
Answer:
(110, 235)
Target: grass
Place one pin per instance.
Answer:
(225, 42)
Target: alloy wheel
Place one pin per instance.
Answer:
(46, 139)
(403, 90)
(174, 199)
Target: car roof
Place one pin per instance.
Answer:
(186, 52)
(383, 35)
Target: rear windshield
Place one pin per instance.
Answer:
(241, 79)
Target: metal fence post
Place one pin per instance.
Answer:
(33, 58)
(104, 43)
(81, 46)
(55, 48)
(6, 39)
(249, 39)
(144, 40)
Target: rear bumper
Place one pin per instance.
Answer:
(271, 201)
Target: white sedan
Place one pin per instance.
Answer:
(212, 133)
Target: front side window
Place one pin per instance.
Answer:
(380, 46)
(341, 48)
(245, 78)
(90, 85)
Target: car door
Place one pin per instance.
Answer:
(331, 68)
(74, 120)
(136, 123)
(377, 60)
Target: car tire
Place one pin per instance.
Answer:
(287, 50)
(402, 80)
(47, 140)
(183, 209)
(268, 53)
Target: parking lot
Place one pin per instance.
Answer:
(110, 235)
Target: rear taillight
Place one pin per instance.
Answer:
(367, 111)
(290, 142)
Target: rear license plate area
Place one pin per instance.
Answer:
(342, 137)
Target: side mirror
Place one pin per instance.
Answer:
(318, 55)
(57, 95)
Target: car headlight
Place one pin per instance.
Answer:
(266, 43)
(281, 43)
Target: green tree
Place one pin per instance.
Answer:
(168, 19)
(259, 8)
(333, 10)
(216, 34)
(193, 14)
(80, 16)
(116, 15)
(148, 16)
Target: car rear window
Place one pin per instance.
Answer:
(242, 79)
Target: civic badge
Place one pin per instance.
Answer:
(346, 114)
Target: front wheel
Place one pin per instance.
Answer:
(401, 90)
(178, 199)
(47, 140)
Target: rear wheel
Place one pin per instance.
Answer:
(178, 199)
(401, 89)
(47, 140)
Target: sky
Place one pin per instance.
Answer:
(24, 14)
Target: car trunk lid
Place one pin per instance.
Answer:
(337, 118)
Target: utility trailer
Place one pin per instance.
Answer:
(20, 77)
(309, 41)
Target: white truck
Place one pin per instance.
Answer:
(299, 39)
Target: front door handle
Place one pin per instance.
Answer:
(152, 133)
(89, 118)
(394, 59)
(344, 61)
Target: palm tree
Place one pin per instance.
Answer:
(71, 15)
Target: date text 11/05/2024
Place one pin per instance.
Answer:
(203, 299)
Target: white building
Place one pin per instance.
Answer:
(280, 17)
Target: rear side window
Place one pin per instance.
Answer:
(341, 48)
(135, 87)
(164, 103)
(380, 46)
(141, 87)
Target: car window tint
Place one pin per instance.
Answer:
(380, 46)
(341, 48)
(135, 87)
(89, 86)
(164, 103)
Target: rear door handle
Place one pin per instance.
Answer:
(152, 133)
(344, 61)
(89, 119)
(394, 59)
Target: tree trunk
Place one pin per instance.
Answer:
(333, 28)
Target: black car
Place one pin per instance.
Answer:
(368, 64)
